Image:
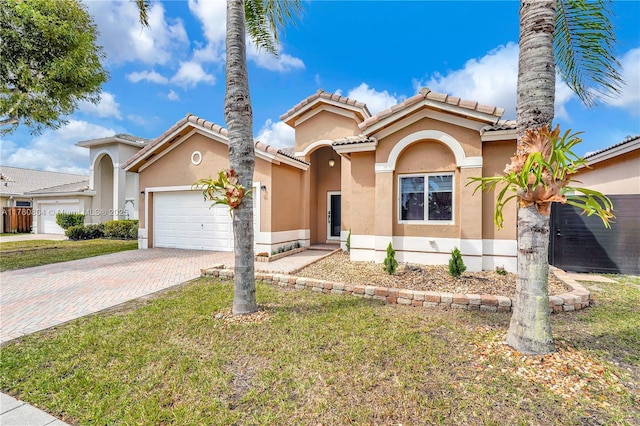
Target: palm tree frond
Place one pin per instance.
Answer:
(143, 7)
(584, 46)
(265, 18)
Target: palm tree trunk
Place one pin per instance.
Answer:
(239, 119)
(530, 328)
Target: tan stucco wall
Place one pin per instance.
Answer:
(363, 193)
(496, 155)
(619, 175)
(468, 139)
(323, 126)
(286, 200)
(427, 157)
(324, 179)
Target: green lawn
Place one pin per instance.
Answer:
(322, 359)
(25, 254)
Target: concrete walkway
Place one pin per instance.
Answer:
(38, 298)
(27, 237)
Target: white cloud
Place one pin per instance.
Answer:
(151, 76)
(106, 107)
(213, 18)
(276, 134)
(55, 150)
(173, 96)
(190, 74)
(124, 39)
(492, 80)
(281, 63)
(630, 97)
(376, 101)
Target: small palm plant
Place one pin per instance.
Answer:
(539, 175)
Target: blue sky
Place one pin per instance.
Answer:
(377, 52)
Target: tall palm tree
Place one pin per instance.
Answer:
(261, 19)
(583, 49)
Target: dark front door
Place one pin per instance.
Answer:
(581, 243)
(334, 216)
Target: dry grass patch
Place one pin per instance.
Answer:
(314, 359)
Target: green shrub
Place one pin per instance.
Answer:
(81, 232)
(296, 245)
(390, 262)
(500, 270)
(67, 220)
(121, 229)
(456, 265)
(349, 241)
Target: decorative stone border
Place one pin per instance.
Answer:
(575, 299)
(279, 255)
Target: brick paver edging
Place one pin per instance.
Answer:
(576, 298)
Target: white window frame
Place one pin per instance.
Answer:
(426, 220)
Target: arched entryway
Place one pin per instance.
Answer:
(103, 206)
(326, 198)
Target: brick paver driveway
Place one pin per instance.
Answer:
(37, 298)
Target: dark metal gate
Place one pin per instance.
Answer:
(582, 244)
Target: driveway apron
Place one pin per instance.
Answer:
(37, 298)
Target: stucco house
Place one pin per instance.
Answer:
(581, 243)
(399, 176)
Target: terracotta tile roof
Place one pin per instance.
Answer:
(500, 125)
(627, 140)
(426, 93)
(321, 94)
(18, 181)
(287, 152)
(190, 118)
(351, 140)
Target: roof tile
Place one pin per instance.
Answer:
(324, 95)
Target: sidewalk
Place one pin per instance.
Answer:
(18, 413)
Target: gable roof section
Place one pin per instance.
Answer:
(216, 132)
(324, 99)
(19, 181)
(437, 101)
(501, 131)
(631, 143)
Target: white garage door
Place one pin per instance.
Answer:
(182, 219)
(49, 225)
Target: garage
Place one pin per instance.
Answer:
(182, 219)
(47, 213)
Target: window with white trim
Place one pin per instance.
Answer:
(426, 198)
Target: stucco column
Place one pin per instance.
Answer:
(119, 191)
(470, 213)
(384, 205)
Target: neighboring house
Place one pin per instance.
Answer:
(581, 243)
(47, 193)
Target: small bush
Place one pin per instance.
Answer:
(273, 252)
(390, 262)
(296, 245)
(456, 265)
(121, 229)
(349, 241)
(81, 232)
(67, 220)
(263, 254)
(501, 271)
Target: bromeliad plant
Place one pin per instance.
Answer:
(225, 190)
(540, 174)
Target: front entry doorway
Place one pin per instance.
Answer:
(334, 215)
